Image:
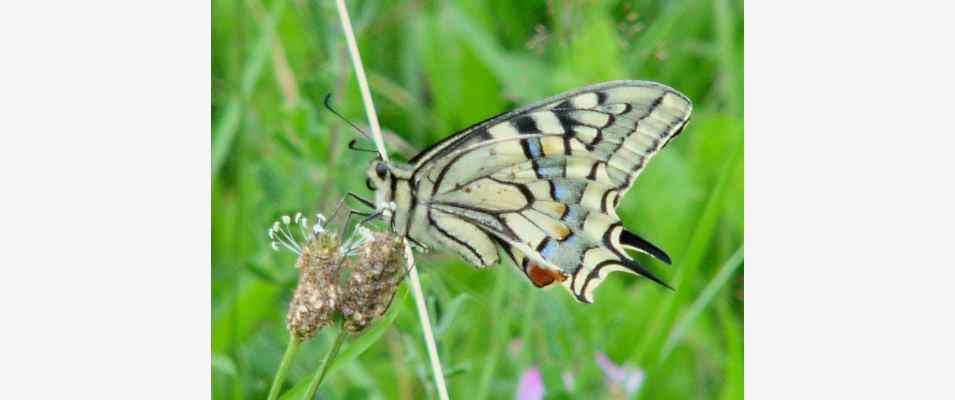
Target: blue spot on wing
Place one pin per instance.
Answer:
(570, 241)
(573, 214)
(549, 171)
(534, 146)
(552, 246)
(549, 249)
(561, 191)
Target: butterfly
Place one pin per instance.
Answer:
(540, 184)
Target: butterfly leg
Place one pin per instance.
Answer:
(368, 217)
(341, 230)
(341, 203)
(350, 212)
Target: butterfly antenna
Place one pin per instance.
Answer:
(353, 145)
(328, 105)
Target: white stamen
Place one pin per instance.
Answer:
(292, 249)
(275, 246)
(301, 229)
(356, 240)
(286, 220)
(288, 238)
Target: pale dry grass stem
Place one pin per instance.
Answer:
(437, 371)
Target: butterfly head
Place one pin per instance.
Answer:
(379, 179)
(379, 176)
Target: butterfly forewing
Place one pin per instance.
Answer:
(543, 183)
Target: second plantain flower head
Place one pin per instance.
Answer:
(354, 281)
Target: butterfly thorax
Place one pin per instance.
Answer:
(390, 181)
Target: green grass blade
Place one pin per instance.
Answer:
(731, 78)
(692, 261)
(733, 365)
(702, 301)
(225, 129)
(661, 28)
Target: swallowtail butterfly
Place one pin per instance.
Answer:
(541, 184)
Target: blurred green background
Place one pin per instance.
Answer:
(436, 67)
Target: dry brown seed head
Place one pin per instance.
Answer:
(316, 297)
(378, 269)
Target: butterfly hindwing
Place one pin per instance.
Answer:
(543, 182)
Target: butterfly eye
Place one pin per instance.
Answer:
(371, 186)
(380, 170)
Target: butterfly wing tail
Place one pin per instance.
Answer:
(633, 241)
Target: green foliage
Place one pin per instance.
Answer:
(436, 67)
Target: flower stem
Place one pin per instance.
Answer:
(290, 350)
(426, 326)
(326, 363)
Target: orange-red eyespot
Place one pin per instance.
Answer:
(543, 277)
